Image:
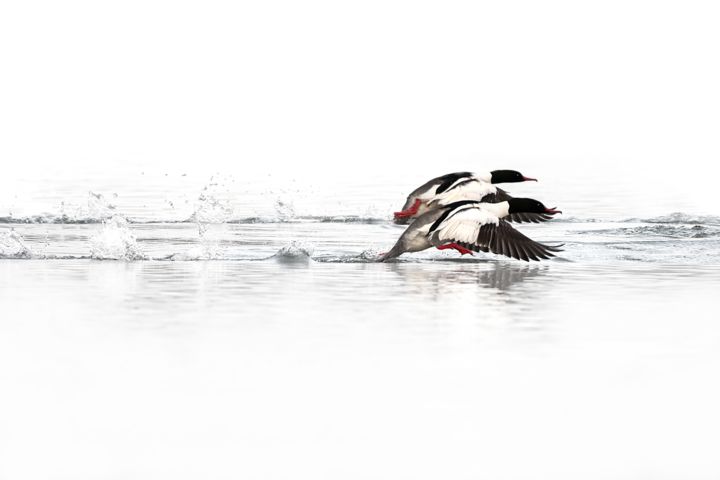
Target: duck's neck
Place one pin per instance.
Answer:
(484, 176)
(500, 210)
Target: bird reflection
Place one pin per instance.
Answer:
(503, 275)
(496, 292)
(495, 275)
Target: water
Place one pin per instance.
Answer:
(215, 326)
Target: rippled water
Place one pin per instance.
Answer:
(184, 327)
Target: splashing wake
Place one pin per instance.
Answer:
(12, 245)
(115, 242)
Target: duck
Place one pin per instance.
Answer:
(453, 187)
(472, 226)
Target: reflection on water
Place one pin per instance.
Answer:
(433, 369)
(495, 275)
(293, 289)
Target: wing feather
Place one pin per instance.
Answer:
(502, 196)
(505, 240)
(428, 190)
(461, 225)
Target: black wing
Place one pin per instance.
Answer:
(502, 196)
(503, 239)
(450, 178)
(442, 183)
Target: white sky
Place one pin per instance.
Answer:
(367, 86)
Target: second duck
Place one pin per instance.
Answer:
(468, 226)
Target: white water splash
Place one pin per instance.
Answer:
(212, 208)
(98, 209)
(199, 252)
(295, 251)
(115, 242)
(285, 209)
(370, 254)
(12, 245)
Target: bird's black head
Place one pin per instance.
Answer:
(529, 205)
(509, 176)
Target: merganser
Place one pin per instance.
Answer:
(454, 187)
(469, 225)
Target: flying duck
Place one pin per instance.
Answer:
(454, 187)
(469, 225)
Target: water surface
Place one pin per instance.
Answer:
(197, 328)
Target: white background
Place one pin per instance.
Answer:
(337, 90)
(329, 88)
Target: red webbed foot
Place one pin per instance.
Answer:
(455, 246)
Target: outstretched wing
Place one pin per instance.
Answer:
(503, 196)
(503, 239)
(435, 186)
(500, 238)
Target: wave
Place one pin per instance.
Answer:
(575, 220)
(660, 230)
(51, 219)
(676, 225)
(367, 256)
(679, 218)
(12, 245)
(676, 218)
(294, 252)
(69, 220)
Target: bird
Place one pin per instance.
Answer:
(471, 226)
(453, 187)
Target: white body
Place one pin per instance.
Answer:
(471, 190)
(471, 187)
